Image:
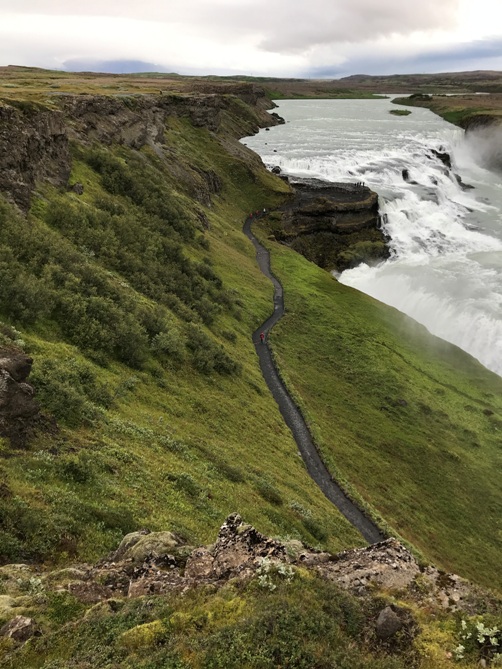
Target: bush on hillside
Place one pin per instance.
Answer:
(84, 269)
(208, 356)
(68, 388)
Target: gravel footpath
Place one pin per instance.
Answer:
(292, 415)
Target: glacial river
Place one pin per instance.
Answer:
(445, 269)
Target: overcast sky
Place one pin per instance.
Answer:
(303, 38)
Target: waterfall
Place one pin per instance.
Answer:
(441, 209)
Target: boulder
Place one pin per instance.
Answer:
(276, 170)
(18, 409)
(139, 548)
(388, 623)
(279, 119)
(128, 542)
(20, 629)
(443, 156)
(77, 188)
(396, 626)
(89, 592)
(17, 365)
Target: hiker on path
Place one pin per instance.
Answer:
(262, 337)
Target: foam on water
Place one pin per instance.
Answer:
(445, 268)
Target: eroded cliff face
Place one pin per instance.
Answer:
(33, 147)
(35, 138)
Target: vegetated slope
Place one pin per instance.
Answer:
(136, 299)
(411, 422)
(441, 82)
(466, 111)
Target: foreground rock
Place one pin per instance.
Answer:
(20, 629)
(158, 562)
(334, 225)
(18, 409)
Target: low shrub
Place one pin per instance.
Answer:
(269, 492)
(69, 390)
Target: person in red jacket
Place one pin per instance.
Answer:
(262, 337)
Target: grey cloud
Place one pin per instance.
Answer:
(283, 25)
(480, 54)
(323, 22)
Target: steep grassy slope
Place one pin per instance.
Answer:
(137, 300)
(410, 422)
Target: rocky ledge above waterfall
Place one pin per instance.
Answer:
(335, 225)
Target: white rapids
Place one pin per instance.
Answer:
(445, 269)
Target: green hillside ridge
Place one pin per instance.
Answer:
(465, 111)
(137, 299)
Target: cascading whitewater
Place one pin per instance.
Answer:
(445, 269)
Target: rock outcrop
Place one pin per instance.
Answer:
(158, 562)
(33, 147)
(335, 225)
(18, 408)
(20, 629)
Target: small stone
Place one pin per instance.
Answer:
(77, 188)
(388, 623)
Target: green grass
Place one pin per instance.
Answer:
(461, 111)
(165, 420)
(400, 112)
(409, 421)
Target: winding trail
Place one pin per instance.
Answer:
(290, 412)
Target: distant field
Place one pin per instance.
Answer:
(33, 82)
(460, 110)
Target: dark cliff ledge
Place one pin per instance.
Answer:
(35, 138)
(335, 225)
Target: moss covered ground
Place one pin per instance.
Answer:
(294, 621)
